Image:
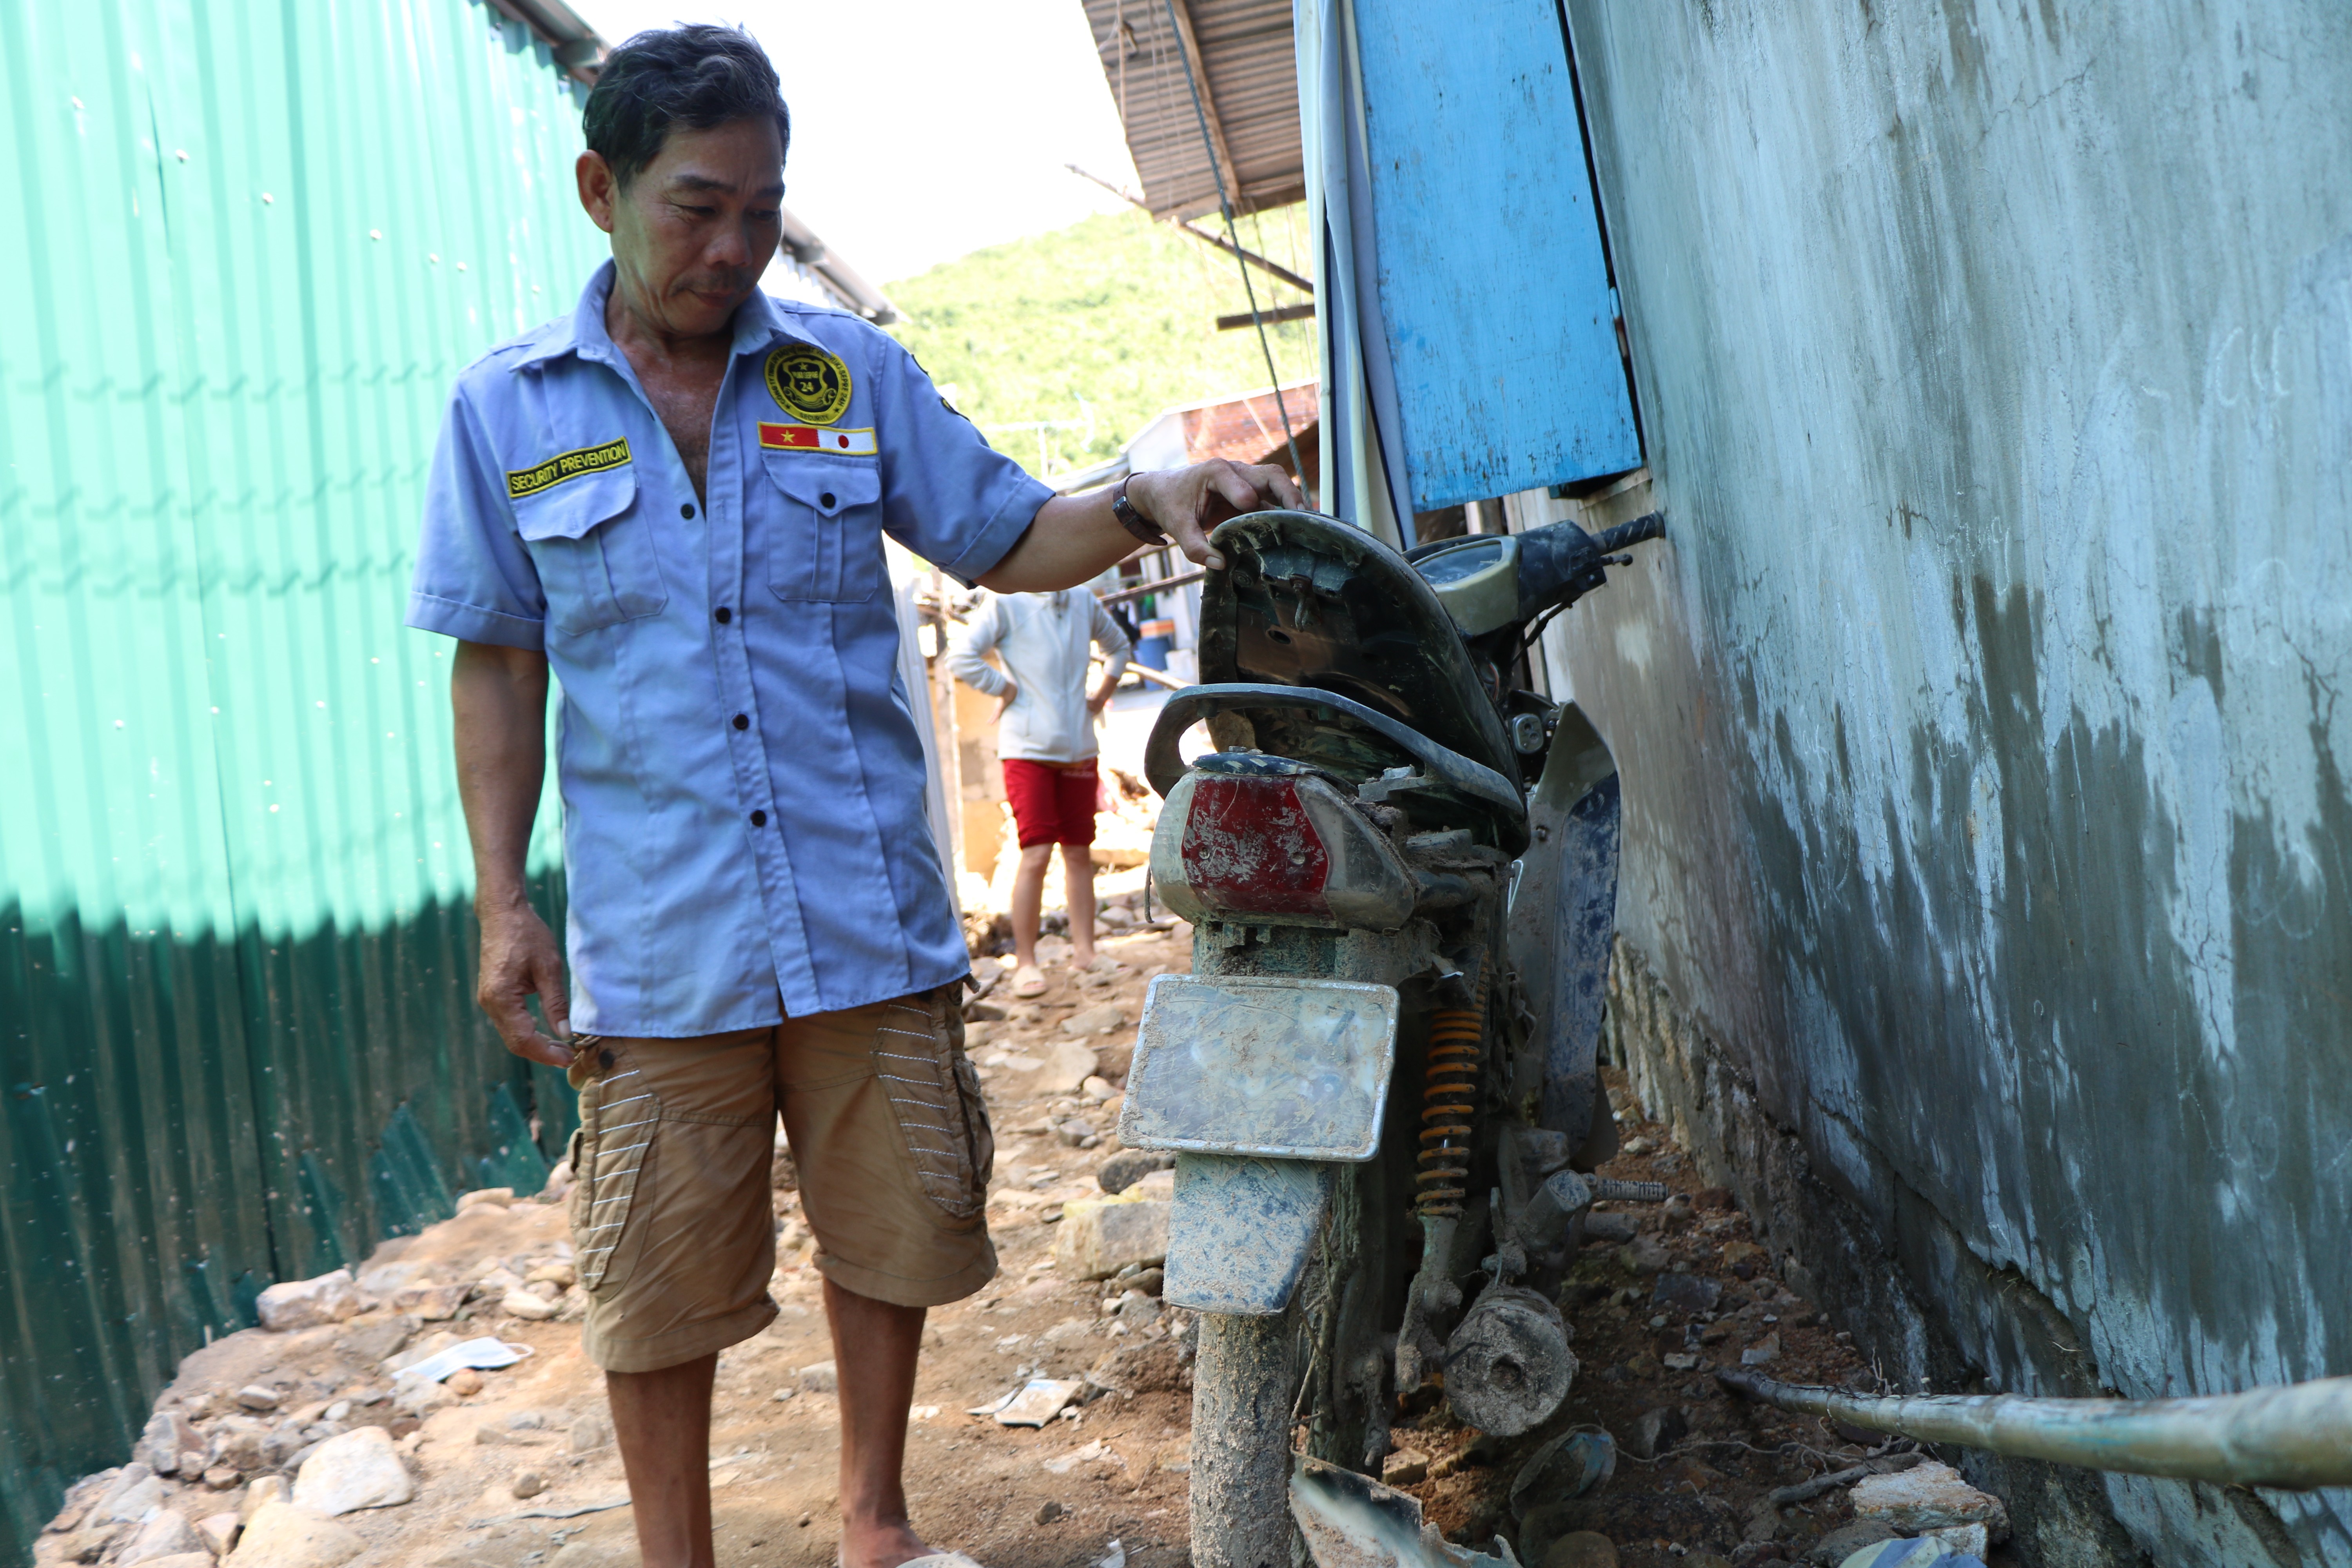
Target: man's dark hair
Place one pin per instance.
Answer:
(697, 75)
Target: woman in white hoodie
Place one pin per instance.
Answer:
(1046, 735)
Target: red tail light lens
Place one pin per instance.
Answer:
(1275, 848)
(1250, 848)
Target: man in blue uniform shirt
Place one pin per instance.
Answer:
(673, 499)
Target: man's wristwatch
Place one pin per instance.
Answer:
(1134, 522)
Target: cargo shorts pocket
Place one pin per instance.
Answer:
(612, 1160)
(934, 1093)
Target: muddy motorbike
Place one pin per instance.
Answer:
(1378, 1080)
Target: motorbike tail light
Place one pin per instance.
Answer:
(1249, 846)
(1275, 849)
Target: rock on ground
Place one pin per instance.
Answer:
(1151, 1367)
(1095, 1241)
(378, 1337)
(1099, 1019)
(1655, 1430)
(420, 1396)
(309, 1303)
(282, 1535)
(1068, 1064)
(126, 1499)
(219, 1532)
(432, 1303)
(1644, 1257)
(1928, 1497)
(359, 1469)
(264, 1490)
(1129, 1166)
(168, 1435)
(1581, 1549)
(168, 1535)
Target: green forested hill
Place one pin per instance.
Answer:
(1117, 312)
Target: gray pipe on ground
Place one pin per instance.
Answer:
(2294, 1437)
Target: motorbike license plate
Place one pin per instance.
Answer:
(1295, 1070)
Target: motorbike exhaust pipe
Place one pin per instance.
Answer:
(2294, 1437)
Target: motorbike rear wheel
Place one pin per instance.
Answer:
(1245, 1380)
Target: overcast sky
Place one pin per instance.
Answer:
(923, 130)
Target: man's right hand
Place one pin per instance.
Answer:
(519, 961)
(498, 697)
(1004, 699)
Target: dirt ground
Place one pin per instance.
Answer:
(1113, 1471)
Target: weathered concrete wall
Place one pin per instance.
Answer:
(1984, 764)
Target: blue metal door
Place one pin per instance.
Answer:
(1493, 284)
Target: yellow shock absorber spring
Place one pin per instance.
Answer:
(1449, 1104)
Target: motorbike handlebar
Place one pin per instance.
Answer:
(1610, 540)
(1560, 564)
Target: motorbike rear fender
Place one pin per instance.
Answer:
(1562, 919)
(1240, 1232)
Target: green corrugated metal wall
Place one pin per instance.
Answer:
(255, 241)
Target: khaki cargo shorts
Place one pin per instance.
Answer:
(671, 1217)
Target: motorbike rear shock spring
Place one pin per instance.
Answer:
(1449, 1104)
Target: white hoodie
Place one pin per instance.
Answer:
(1042, 638)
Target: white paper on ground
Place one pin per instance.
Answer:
(485, 1355)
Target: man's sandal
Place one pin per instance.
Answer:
(1028, 980)
(934, 1560)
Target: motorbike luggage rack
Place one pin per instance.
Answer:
(1479, 786)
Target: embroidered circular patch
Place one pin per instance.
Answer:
(808, 383)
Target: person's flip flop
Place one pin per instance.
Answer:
(1028, 980)
(934, 1560)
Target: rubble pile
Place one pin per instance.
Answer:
(1659, 1297)
(431, 1408)
(267, 1438)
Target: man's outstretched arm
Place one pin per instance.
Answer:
(499, 698)
(1074, 539)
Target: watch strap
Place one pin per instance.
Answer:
(1134, 522)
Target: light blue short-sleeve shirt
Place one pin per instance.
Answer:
(742, 783)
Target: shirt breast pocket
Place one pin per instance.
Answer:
(595, 550)
(828, 544)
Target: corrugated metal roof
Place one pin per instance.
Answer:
(577, 50)
(1249, 95)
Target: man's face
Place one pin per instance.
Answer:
(696, 228)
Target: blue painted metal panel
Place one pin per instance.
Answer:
(1494, 289)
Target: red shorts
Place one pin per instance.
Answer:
(1053, 803)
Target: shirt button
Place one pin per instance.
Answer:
(724, 614)
(758, 819)
(824, 499)
(742, 723)
(685, 510)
